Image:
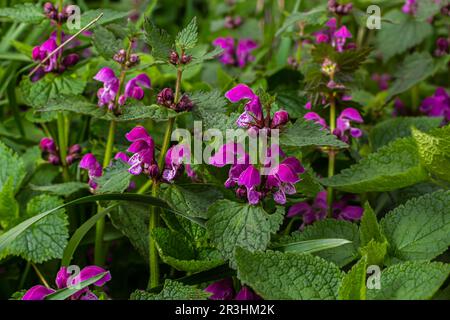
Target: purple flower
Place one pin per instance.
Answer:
(280, 118)
(237, 56)
(177, 158)
(64, 279)
(73, 154)
(41, 52)
(107, 94)
(224, 290)
(253, 115)
(340, 37)
(283, 178)
(47, 145)
(313, 116)
(230, 153)
(143, 149)
(438, 105)
(336, 38)
(250, 178)
(410, 7)
(133, 88)
(318, 209)
(89, 162)
(343, 124)
(442, 47)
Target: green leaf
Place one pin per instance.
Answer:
(412, 280)
(9, 236)
(158, 39)
(173, 290)
(375, 252)
(37, 94)
(106, 42)
(434, 151)
(24, 12)
(61, 189)
(193, 199)
(11, 167)
(131, 219)
(327, 229)
(79, 235)
(387, 131)
(178, 252)
(369, 228)
(187, 38)
(307, 133)
(233, 224)
(9, 207)
(108, 17)
(309, 185)
(396, 165)
(47, 238)
(419, 229)
(65, 293)
(353, 286)
(288, 276)
(411, 30)
(316, 16)
(115, 178)
(415, 68)
(292, 103)
(311, 246)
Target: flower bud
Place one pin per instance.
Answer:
(280, 118)
(185, 104)
(185, 59)
(174, 58)
(165, 97)
(53, 159)
(47, 145)
(71, 59)
(48, 7)
(75, 149)
(153, 171)
(241, 192)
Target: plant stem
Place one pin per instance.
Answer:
(40, 276)
(154, 218)
(331, 155)
(62, 143)
(24, 275)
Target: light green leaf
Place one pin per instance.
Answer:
(375, 252)
(233, 224)
(353, 286)
(316, 16)
(61, 189)
(311, 246)
(193, 199)
(187, 38)
(109, 16)
(106, 42)
(9, 207)
(115, 178)
(307, 133)
(24, 12)
(369, 228)
(326, 229)
(415, 68)
(47, 238)
(412, 280)
(411, 30)
(419, 229)
(288, 276)
(434, 151)
(158, 39)
(387, 131)
(178, 252)
(394, 166)
(11, 167)
(172, 290)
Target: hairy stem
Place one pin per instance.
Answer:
(331, 155)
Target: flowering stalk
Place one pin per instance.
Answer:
(99, 257)
(331, 154)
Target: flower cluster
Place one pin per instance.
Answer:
(438, 105)
(53, 14)
(224, 290)
(51, 154)
(442, 47)
(253, 116)
(235, 54)
(318, 209)
(121, 58)
(340, 9)
(343, 123)
(55, 63)
(166, 98)
(336, 37)
(111, 84)
(64, 279)
(174, 58)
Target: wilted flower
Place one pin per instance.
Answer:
(438, 105)
(237, 55)
(64, 279)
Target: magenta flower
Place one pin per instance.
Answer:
(318, 209)
(134, 88)
(238, 55)
(89, 162)
(143, 149)
(283, 177)
(41, 52)
(177, 158)
(343, 124)
(442, 47)
(313, 116)
(47, 145)
(107, 94)
(336, 38)
(280, 118)
(340, 38)
(65, 280)
(224, 290)
(253, 115)
(410, 7)
(438, 105)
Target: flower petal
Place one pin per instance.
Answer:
(37, 293)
